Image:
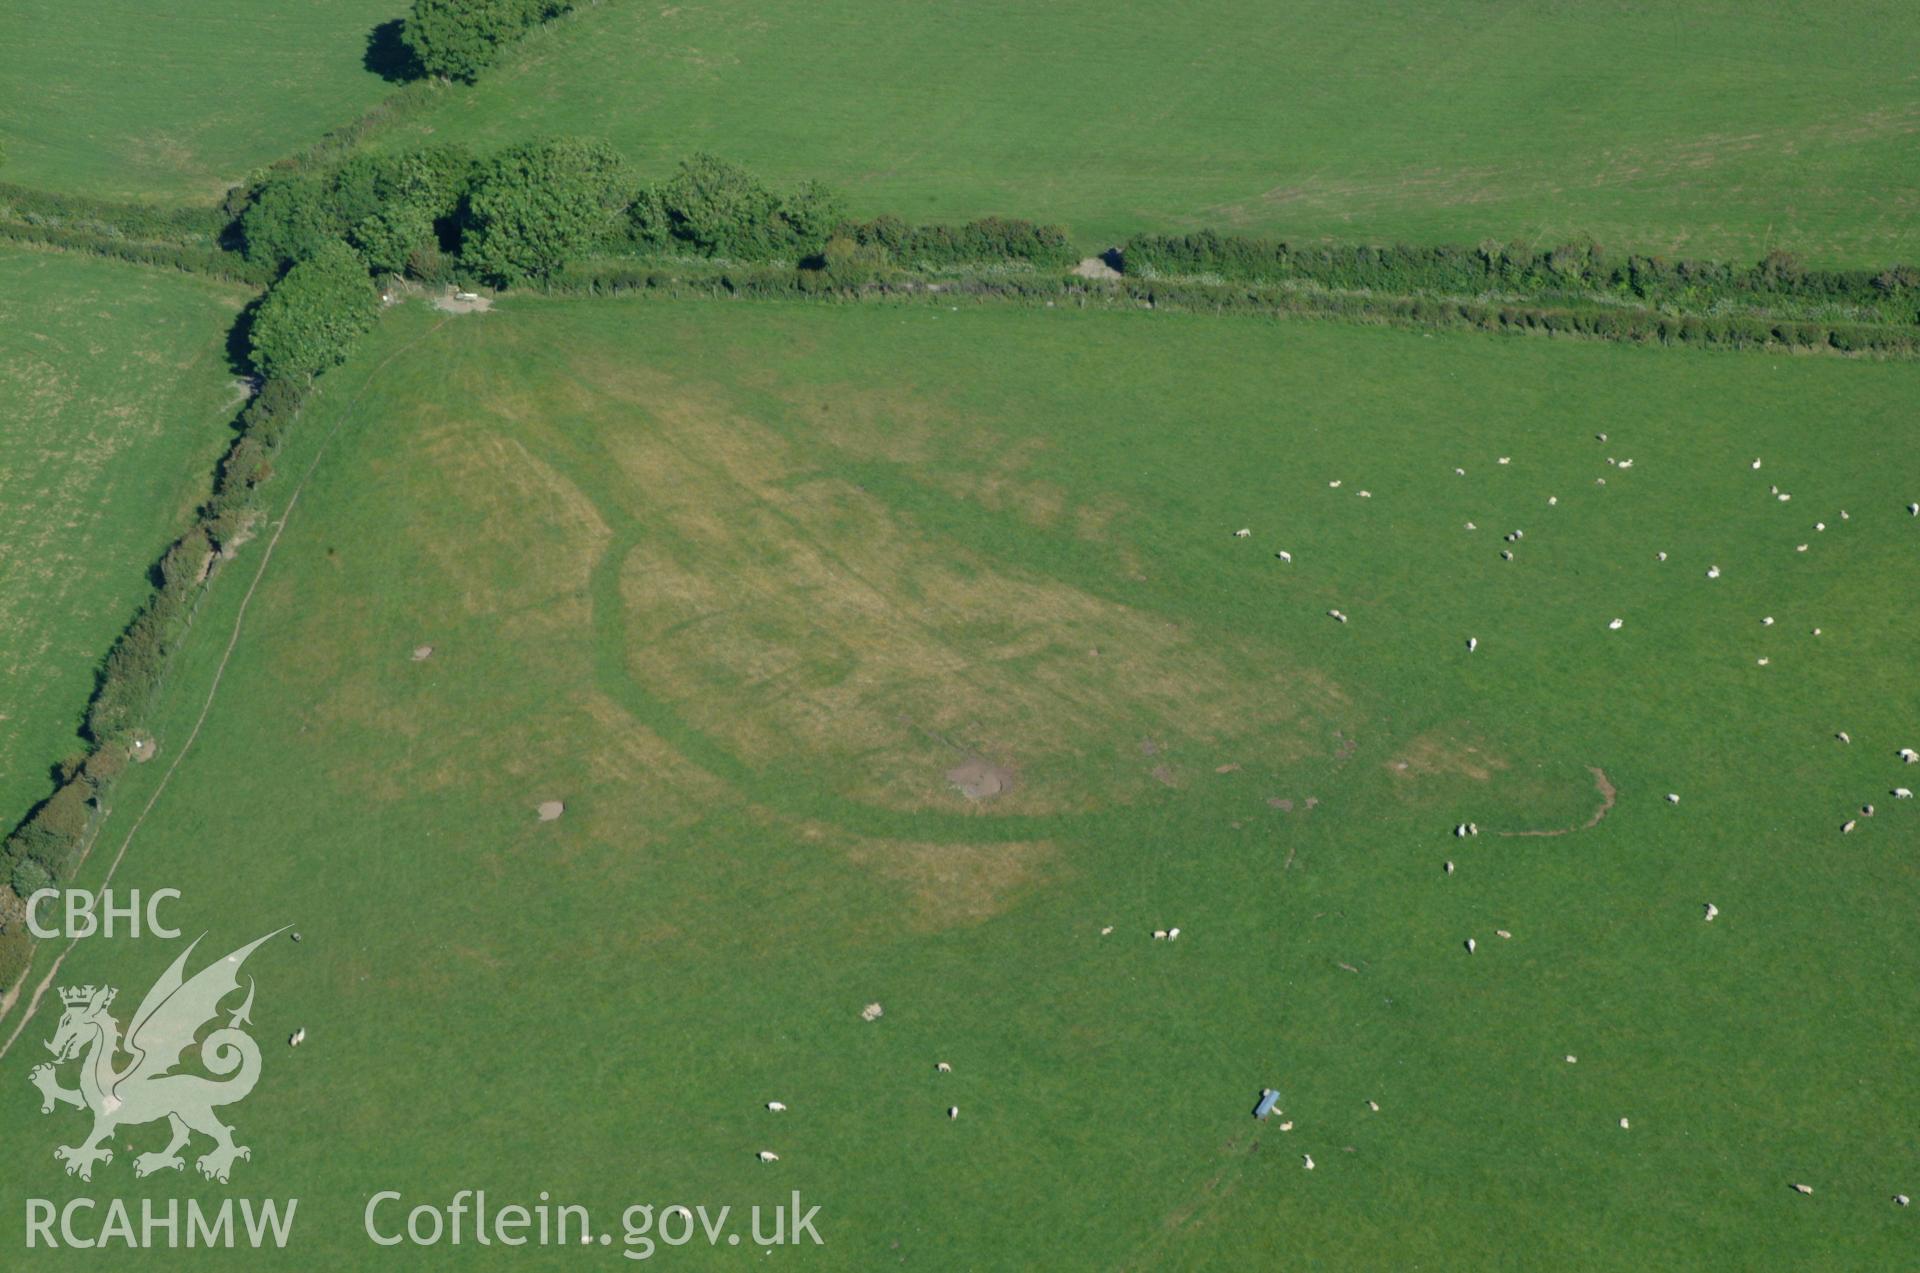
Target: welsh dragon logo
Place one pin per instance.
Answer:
(145, 1087)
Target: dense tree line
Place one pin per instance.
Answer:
(527, 211)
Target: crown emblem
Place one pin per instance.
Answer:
(79, 996)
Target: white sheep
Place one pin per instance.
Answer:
(1756, 464)
(1337, 615)
(1366, 494)
(1661, 556)
(953, 1111)
(1553, 501)
(1335, 484)
(1473, 828)
(1712, 910)
(1901, 1199)
(1473, 643)
(1803, 1188)
(1307, 1161)
(1285, 556)
(1767, 622)
(1460, 472)
(1673, 797)
(1799, 548)
(1502, 934)
(767, 1155)
(1506, 459)
(1472, 945)
(1173, 934)
(942, 1067)
(1448, 868)
(1763, 662)
(1913, 510)
(1506, 555)
(1903, 793)
(1713, 572)
(1107, 931)
(1242, 533)
(778, 1107)
(1784, 497)
(1460, 831)
(1626, 464)
(298, 1037)
(1624, 1124)
(1287, 1126)
(1819, 525)
(1909, 755)
(1616, 624)
(1847, 826)
(1374, 1106)
(1159, 934)
(1572, 1059)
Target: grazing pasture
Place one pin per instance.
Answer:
(115, 395)
(174, 103)
(893, 655)
(1703, 129)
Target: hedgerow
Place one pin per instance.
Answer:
(536, 206)
(311, 318)
(715, 208)
(988, 239)
(1777, 284)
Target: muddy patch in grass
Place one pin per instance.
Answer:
(978, 779)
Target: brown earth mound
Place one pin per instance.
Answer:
(979, 780)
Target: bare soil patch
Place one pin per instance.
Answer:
(979, 779)
(462, 302)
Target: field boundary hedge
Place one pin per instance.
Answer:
(49, 845)
(1636, 325)
(1776, 287)
(208, 262)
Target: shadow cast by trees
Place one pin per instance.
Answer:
(388, 56)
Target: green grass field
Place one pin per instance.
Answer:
(115, 396)
(176, 103)
(1709, 129)
(740, 584)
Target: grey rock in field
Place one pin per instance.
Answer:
(550, 810)
(421, 653)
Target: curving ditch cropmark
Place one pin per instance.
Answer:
(1607, 793)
